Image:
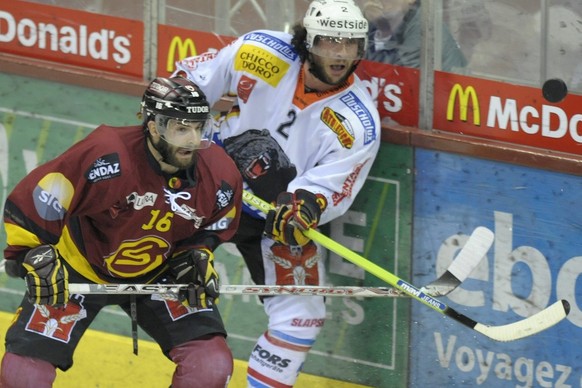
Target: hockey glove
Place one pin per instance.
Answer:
(196, 268)
(294, 213)
(47, 280)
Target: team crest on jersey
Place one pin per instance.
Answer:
(106, 167)
(245, 87)
(339, 125)
(57, 323)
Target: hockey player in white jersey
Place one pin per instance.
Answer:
(304, 133)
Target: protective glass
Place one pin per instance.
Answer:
(187, 134)
(350, 49)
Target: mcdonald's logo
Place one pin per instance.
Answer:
(464, 95)
(186, 48)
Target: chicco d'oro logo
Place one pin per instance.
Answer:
(106, 167)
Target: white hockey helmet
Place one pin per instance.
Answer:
(340, 19)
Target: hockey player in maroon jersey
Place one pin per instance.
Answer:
(138, 204)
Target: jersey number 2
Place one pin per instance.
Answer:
(283, 128)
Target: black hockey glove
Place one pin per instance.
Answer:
(294, 213)
(47, 280)
(196, 268)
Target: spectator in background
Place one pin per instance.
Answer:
(469, 22)
(395, 35)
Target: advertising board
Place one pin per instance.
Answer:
(510, 113)
(72, 37)
(536, 259)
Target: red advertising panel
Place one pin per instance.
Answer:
(72, 37)
(394, 88)
(177, 43)
(506, 112)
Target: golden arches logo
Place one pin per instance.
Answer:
(464, 94)
(185, 47)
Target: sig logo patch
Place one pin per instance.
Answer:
(106, 167)
(224, 222)
(52, 196)
(339, 125)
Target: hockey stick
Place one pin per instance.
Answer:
(543, 320)
(234, 289)
(469, 257)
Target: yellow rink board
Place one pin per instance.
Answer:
(106, 360)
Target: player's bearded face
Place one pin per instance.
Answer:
(332, 59)
(178, 144)
(176, 156)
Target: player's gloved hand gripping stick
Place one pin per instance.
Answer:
(196, 268)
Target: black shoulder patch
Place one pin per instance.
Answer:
(224, 195)
(106, 167)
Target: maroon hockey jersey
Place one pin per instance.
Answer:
(114, 215)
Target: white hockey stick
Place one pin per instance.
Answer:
(469, 257)
(234, 289)
(510, 332)
(543, 320)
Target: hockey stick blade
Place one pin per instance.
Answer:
(466, 261)
(526, 327)
(529, 326)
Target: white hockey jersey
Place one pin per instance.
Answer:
(331, 138)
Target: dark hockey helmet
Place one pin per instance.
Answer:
(180, 99)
